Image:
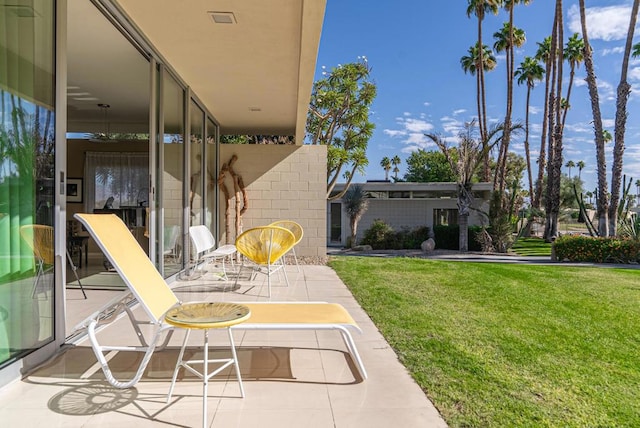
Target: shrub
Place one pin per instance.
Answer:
(596, 250)
(377, 235)
(381, 236)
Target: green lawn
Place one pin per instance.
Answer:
(531, 247)
(501, 345)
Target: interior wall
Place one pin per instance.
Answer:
(283, 182)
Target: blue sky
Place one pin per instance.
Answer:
(414, 49)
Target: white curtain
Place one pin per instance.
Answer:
(118, 175)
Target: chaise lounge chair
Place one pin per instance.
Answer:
(159, 303)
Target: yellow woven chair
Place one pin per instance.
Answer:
(265, 246)
(39, 238)
(297, 231)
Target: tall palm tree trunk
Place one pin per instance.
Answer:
(603, 196)
(572, 73)
(554, 163)
(527, 152)
(624, 89)
(542, 158)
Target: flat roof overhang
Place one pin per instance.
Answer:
(254, 74)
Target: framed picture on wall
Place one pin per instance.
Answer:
(74, 190)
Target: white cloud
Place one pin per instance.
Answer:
(607, 23)
(417, 139)
(634, 74)
(616, 50)
(459, 111)
(394, 133)
(426, 103)
(608, 123)
(534, 110)
(580, 127)
(411, 132)
(606, 90)
(416, 125)
(406, 113)
(451, 125)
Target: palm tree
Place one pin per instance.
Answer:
(554, 116)
(395, 162)
(570, 164)
(516, 38)
(505, 40)
(624, 89)
(590, 196)
(476, 63)
(385, 163)
(543, 54)
(470, 153)
(355, 204)
(574, 55)
(580, 166)
(602, 195)
(528, 72)
(638, 189)
(480, 8)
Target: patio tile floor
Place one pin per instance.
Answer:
(291, 379)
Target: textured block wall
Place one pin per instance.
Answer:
(283, 183)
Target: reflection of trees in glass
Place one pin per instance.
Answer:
(26, 174)
(27, 144)
(116, 136)
(257, 139)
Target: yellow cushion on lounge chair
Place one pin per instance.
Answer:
(299, 313)
(132, 263)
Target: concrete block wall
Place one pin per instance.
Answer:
(283, 183)
(406, 213)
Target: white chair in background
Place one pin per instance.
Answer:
(205, 251)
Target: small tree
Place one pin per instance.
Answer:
(339, 118)
(471, 152)
(355, 204)
(430, 167)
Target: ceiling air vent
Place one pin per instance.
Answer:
(223, 17)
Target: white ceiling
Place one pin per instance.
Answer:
(264, 61)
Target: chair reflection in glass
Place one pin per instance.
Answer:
(170, 248)
(39, 238)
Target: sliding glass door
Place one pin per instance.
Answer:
(171, 148)
(27, 165)
(196, 117)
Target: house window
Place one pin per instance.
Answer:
(445, 217)
(378, 194)
(116, 180)
(399, 195)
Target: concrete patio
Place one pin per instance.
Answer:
(291, 379)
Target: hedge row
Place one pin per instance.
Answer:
(575, 248)
(381, 236)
